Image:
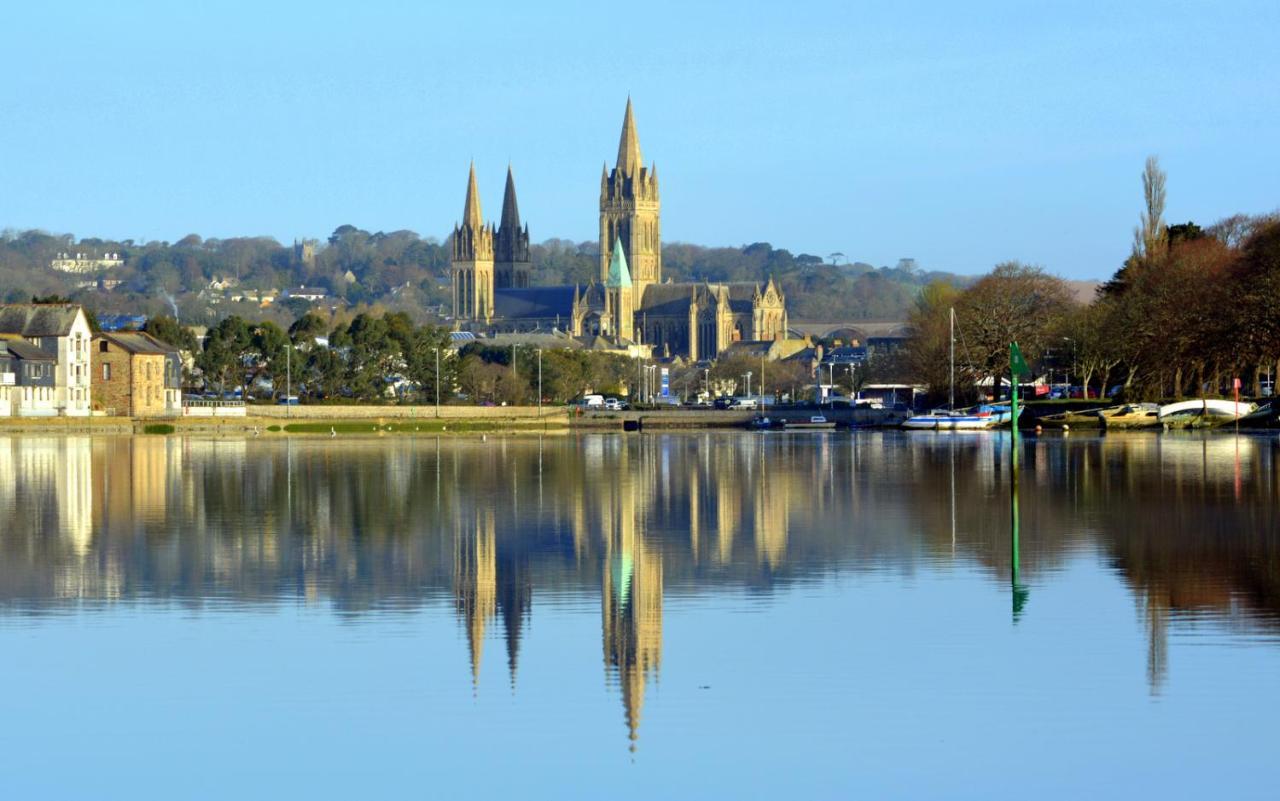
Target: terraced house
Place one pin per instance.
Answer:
(49, 342)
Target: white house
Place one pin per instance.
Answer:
(60, 330)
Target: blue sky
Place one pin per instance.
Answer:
(958, 134)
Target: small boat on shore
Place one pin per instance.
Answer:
(1203, 413)
(1265, 416)
(1082, 418)
(815, 422)
(1131, 415)
(977, 418)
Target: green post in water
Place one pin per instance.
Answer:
(1017, 368)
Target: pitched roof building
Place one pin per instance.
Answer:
(60, 330)
(136, 375)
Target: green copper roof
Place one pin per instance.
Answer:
(619, 275)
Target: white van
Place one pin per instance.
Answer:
(592, 402)
(744, 403)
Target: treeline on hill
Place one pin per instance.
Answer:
(402, 271)
(1191, 309)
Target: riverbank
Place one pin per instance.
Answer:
(313, 420)
(331, 420)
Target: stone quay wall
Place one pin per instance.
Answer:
(325, 412)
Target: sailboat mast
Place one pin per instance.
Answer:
(953, 358)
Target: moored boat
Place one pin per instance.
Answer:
(977, 418)
(1265, 416)
(814, 422)
(1083, 418)
(1203, 413)
(1131, 415)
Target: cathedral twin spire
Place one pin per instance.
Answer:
(509, 224)
(505, 248)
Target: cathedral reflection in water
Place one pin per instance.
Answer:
(483, 526)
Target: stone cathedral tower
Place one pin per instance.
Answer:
(472, 262)
(511, 246)
(629, 209)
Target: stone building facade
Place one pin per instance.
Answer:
(136, 375)
(494, 288)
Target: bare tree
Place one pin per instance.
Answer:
(1151, 237)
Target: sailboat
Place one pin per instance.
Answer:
(976, 418)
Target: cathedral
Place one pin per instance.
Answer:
(629, 304)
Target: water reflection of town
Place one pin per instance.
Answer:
(1189, 523)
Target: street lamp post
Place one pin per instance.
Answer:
(539, 382)
(437, 382)
(748, 383)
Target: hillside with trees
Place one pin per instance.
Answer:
(204, 280)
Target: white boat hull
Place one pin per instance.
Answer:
(1229, 410)
(957, 422)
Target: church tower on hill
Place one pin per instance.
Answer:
(629, 211)
(472, 262)
(511, 245)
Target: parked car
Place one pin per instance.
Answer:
(288, 400)
(744, 403)
(612, 405)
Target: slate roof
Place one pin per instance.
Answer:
(749, 347)
(545, 341)
(741, 296)
(140, 343)
(537, 301)
(667, 299)
(26, 351)
(38, 319)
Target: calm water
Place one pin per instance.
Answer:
(682, 616)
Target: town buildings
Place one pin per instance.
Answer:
(52, 365)
(630, 304)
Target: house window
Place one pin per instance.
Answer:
(106, 372)
(102, 346)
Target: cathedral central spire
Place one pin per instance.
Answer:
(629, 159)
